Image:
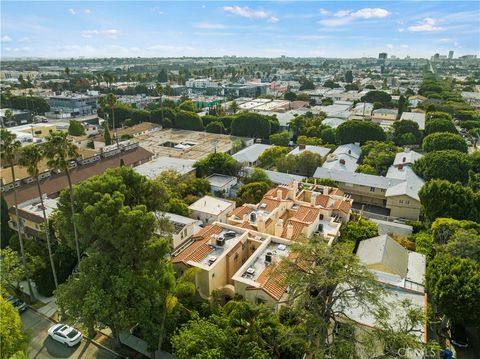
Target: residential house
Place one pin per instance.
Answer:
(416, 100)
(221, 183)
(322, 151)
(210, 209)
(402, 274)
(385, 117)
(152, 169)
(183, 227)
(249, 155)
(295, 210)
(417, 117)
(345, 157)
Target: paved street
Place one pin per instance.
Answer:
(42, 346)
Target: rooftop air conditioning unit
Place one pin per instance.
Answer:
(268, 258)
(220, 241)
(212, 259)
(251, 271)
(263, 205)
(281, 247)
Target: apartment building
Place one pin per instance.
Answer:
(183, 227)
(235, 261)
(397, 191)
(210, 209)
(295, 210)
(75, 104)
(30, 216)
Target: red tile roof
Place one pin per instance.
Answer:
(199, 248)
(273, 192)
(271, 204)
(322, 200)
(240, 211)
(297, 229)
(343, 206)
(271, 281)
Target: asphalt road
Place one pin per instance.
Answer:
(41, 346)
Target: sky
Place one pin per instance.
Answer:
(64, 29)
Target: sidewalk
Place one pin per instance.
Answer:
(50, 307)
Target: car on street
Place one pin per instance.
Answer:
(458, 336)
(65, 334)
(17, 303)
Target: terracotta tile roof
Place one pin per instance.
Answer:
(322, 200)
(199, 249)
(268, 222)
(56, 183)
(307, 214)
(271, 281)
(334, 191)
(240, 211)
(273, 192)
(342, 206)
(247, 225)
(271, 204)
(297, 229)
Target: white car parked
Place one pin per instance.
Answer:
(65, 334)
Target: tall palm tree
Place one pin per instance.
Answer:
(9, 149)
(111, 101)
(59, 151)
(31, 156)
(160, 91)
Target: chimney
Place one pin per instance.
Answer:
(313, 198)
(349, 152)
(292, 190)
(342, 161)
(301, 146)
(279, 194)
(279, 228)
(261, 223)
(404, 159)
(289, 230)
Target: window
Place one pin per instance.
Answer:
(383, 190)
(400, 201)
(213, 275)
(235, 257)
(259, 300)
(372, 189)
(407, 201)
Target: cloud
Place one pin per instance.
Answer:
(158, 11)
(18, 49)
(111, 33)
(169, 48)
(249, 13)
(404, 46)
(390, 46)
(5, 39)
(71, 11)
(24, 39)
(324, 12)
(87, 11)
(343, 17)
(209, 25)
(426, 25)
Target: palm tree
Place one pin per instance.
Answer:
(59, 151)
(111, 101)
(160, 91)
(9, 149)
(31, 156)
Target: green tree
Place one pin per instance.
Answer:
(252, 192)
(126, 279)
(257, 175)
(6, 232)
(9, 150)
(221, 163)
(349, 76)
(464, 244)
(321, 294)
(406, 132)
(358, 230)
(402, 105)
(290, 96)
(454, 283)
(160, 92)
(367, 169)
(280, 139)
(188, 121)
(359, 131)
(31, 156)
(450, 165)
(439, 125)
(444, 141)
(12, 271)
(215, 127)
(76, 128)
(379, 155)
(441, 198)
(328, 135)
(178, 206)
(187, 106)
(59, 151)
(377, 96)
(434, 115)
(13, 338)
(106, 134)
(233, 107)
(303, 164)
(249, 124)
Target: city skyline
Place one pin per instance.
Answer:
(241, 28)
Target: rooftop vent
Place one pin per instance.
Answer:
(212, 259)
(220, 241)
(268, 257)
(251, 271)
(281, 247)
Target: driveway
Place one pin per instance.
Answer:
(42, 346)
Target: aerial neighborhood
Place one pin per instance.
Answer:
(241, 207)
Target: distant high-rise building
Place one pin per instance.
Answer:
(383, 55)
(450, 55)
